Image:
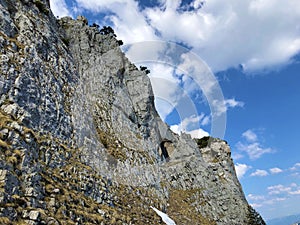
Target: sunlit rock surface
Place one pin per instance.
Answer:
(81, 141)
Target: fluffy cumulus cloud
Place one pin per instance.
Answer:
(252, 146)
(296, 192)
(259, 173)
(253, 150)
(59, 8)
(292, 189)
(280, 189)
(197, 133)
(250, 136)
(275, 197)
(256, 34)
(191, 125)
(295, 167)
(241, 169)
(263, 173)
(256, 197)
(128, 21)
(237, 156)
(222, 107)
(275, 170)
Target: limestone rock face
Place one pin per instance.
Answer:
(81, 141)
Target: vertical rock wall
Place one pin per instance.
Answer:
(81, 141)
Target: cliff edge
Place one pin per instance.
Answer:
(81, 141)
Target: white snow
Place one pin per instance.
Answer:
(164, 216)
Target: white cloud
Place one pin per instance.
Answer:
(256, 34)
(275, 197)
(191, 122)
(59, 8)
(129, 23)
(296, 174)
(256, 205)
(241, 169)
(199, 75)
(191, 125)
(272, 201)
(205, 120)
(285, 197)
(250, 136)
(292, 189)
(166, 89)
(253, 197)
(199, 133)
(99, 6)
(176, 129)
(275, 170)
(222, 106)
(295, 167)
(278, 189)
(237, 156)
(294, 185)
(148, 51)
(254, 150)
(297, 192)
(194, 68)
(231, 103)
(259, 173)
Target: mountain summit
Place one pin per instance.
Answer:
(81, 141)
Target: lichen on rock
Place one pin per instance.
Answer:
(81, 141)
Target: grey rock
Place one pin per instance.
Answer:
(51, 221)
(79, 125)
(29, 192)
(34, 215)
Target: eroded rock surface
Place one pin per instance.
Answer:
(81, 141)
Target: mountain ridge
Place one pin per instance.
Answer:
(81, 141)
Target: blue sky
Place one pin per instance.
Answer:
(251, 50)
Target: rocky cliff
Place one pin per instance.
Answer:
(81, 141)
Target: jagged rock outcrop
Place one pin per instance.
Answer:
(81, 141)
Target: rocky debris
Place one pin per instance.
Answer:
(81, 141)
